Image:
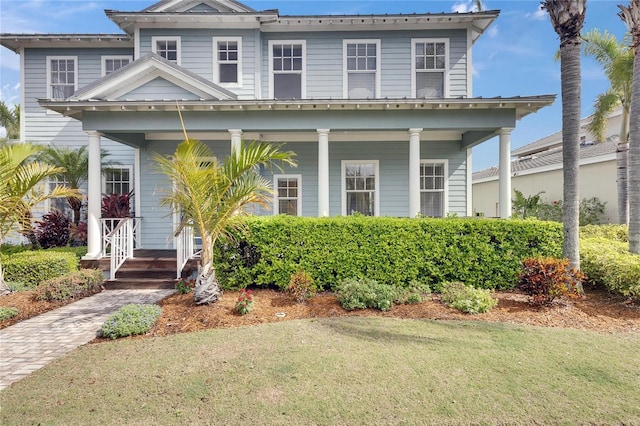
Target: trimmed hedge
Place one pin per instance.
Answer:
(481, 252)
(76, 285)
(609, 262)
(34, 267)
(611, 232)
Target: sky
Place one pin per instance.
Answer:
(515, 57)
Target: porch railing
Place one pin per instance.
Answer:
(109, 224)
(120, 245)
(185, 249)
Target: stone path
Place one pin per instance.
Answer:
(31, 344)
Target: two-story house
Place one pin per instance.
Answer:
(378, 108)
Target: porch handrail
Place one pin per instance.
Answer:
(108, 224)
(184, 249)
(121, 242)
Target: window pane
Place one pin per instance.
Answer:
(228, 73)
(287, 86)
(362, 85)
(430, 84)
(289, 207)
(362, 202)
(431, 204)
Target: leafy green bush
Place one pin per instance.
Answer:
(131, 319)
(544, 279)
(8, 249)
(75, 285)
(7, 312)
(484, 253)
(364, 293)
(467, 299)
(34, 267)
(301, 286)
(609, 263)
(19, 286)
(78, 251)
(611, 232)
(415, 292)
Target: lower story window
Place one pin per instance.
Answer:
(360, 183)
(287, 195)
(433, 181)
(60, 204)
(117, 180)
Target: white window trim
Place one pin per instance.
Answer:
(276, 206)
(76, 73)
(343, 185)
(445, 201)
(345, 71)
(216, 68)
(121, 167)
(112, 57)
(303, 73)
(446, 63)
(177, 39)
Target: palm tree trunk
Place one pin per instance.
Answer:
(207, 289)
(634, 152)
(571, 101)
(622, 154)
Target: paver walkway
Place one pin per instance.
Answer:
(31, 344)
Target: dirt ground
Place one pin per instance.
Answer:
(597, 311)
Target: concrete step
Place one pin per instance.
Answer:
(140, 284)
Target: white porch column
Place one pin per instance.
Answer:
(414, 172)
(236, 139)
(94, 197)
(504, 199)
(323, 172)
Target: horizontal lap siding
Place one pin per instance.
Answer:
(197, 53)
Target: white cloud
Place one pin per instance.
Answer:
(493, 31)
(538, 15)
(466, 6)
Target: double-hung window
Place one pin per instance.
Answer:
(117, 180)
(287, 69)
(360, 187)
(62, 76)
(288, 199)
(227, 67)
(361, 59)
(167, 47)
(114, 63)
(430, 64)
(59, 204)
(433, 187)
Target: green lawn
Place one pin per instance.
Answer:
(341, 371)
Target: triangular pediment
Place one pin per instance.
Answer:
(199, 6)
(153, 78)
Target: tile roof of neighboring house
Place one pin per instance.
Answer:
(549, 158)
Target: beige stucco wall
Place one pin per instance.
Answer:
(596, 180)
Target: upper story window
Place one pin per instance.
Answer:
(361, 60)
(287, 69)
(430, 64)
(62, 76)
(360, 187)
(433, 187)
(288, 199)
(114, 63)
(227, 67)
(167, 47)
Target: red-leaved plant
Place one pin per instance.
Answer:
(244, 303)
(544, 279)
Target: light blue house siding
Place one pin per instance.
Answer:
(393, 174)
(159, 88)
(196, 48)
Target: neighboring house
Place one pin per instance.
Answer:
(538, 167)
(378, 108)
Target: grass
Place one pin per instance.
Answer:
(341, 371)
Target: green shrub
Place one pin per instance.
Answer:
(34, 267)
(185, 285)
(611, 232)
(13, 248)
(364, 293)
(415, 292)
(16, 286)
(7, 312)
(609, 263)
(301, 286)
(78, 251)
(544, 279)
(484, 253)
(131, 319)
(76, 285)
(467, 299)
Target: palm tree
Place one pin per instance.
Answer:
(212, 196)
(567, 18)
(20, 189)
(75, 171)
(617, 61)
(10, 120)
(631, 16)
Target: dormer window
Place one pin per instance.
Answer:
(429, 67)
(167, 47)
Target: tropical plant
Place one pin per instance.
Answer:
(524, 207)
(116, 205)
(631, 16)
(212, 196)
(10, 120)
(567, 18)
(20, 190)
(616, 60)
